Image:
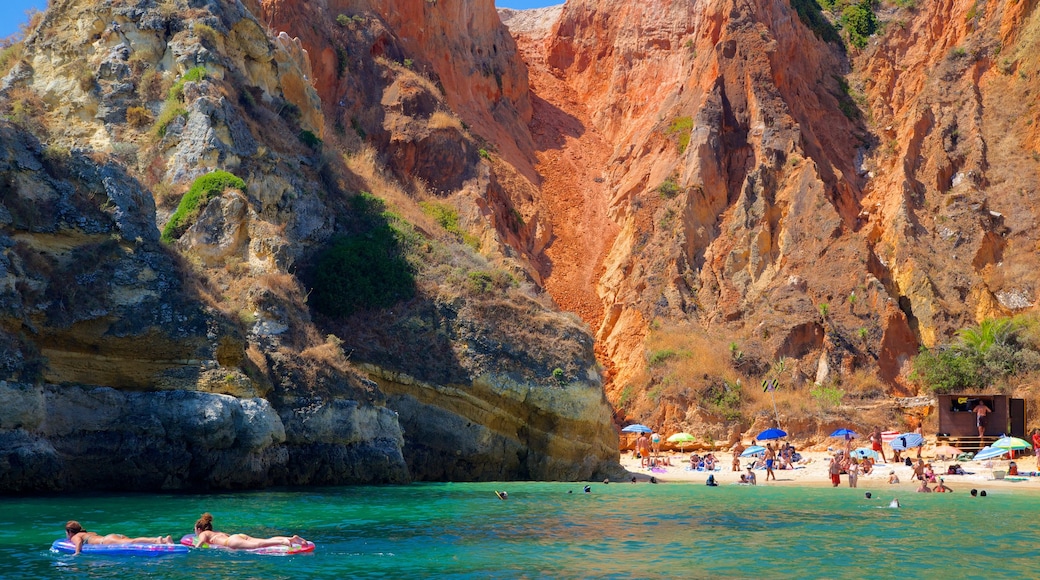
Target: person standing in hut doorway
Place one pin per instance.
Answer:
(981, 411)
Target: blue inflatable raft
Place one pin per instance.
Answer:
(65, 547)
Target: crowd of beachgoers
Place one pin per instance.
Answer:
(925, 468)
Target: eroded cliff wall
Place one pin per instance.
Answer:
(198, 359)
(832, 207)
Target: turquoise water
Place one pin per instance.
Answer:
(542, 531)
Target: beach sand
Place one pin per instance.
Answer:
(813, 472)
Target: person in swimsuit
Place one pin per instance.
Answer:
(204, 534)
(981, 410)
(643, 449)
(834, 469)
(77, 536)
(770, 460)
(875, 442)
(751, 479)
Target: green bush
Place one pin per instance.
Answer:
(659, 356)
(202, 190)
(170, 111)
(342, 20)
(194, 75)
(560, 376)
(309, 139)
(366, 269)
(981, 356)
(481, 281)
(859, 21)
(828, 396)
(448, 218)
(810, 15)
(669, 188)
(724, 399)
(681, 126)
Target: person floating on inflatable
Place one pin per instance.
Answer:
(204, 534)
(78, 537)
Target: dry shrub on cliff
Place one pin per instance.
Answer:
(25, 108)
(329, 353)
(410, 75)
(444, 120)
(863, 385)
(688, 366)
(366, 167)
(153, 86)
(9, 55)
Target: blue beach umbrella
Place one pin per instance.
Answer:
(989, 453)
(906, 441)
(771, 434)
(637, 428)
(753, 450)
(843, 433)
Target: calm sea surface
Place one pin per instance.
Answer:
(549, 530)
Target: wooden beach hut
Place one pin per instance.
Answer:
(957, 419)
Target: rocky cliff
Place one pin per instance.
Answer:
(753, 181)
(402, 241)
(223, 355)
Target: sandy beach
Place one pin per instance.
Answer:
(813, 472)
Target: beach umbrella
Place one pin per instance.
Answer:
(844, 433)
(864, 452)
(681, 439)
(947, 450)
(906, 441)
(637, 428)
(989, 453)
(1011, 444)
(753, 450)
(771, 434)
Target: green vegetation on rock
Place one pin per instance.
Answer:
(810, 15)
(173, 107)
(366, 269)
(981, 357)
(681, 127)
(859, 21)
(448, 218)
(202, 190)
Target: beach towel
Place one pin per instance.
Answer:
(888, 436)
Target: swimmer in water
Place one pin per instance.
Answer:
(77, 536)
(502, 495)
(894, 504)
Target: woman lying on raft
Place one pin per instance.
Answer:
(78, 536)
(204, 534)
